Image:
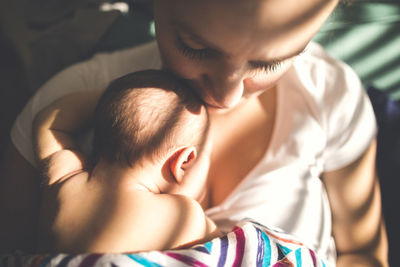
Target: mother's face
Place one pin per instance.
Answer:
(229, 49)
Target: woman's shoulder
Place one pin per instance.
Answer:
(335, 96)
(320, 71)
(323, 79)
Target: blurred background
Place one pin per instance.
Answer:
(38, 38)
(366, 35)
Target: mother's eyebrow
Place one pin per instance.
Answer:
(203, 41)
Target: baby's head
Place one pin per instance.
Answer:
(149, 116)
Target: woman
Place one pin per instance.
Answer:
(290, 129)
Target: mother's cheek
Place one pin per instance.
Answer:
(174, 61)
(179, 65)
(269, 80)
(260, 83)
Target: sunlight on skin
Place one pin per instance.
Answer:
(367, 218)
(227, 74)
(223, 44)
(359, 232)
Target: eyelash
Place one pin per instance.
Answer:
(199, 54)
(267, 68)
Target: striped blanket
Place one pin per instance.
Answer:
(248, 244)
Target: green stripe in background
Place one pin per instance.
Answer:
(366, 35)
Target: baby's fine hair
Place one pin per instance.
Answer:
(147, 114)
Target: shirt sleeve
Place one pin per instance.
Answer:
(349, 119)
(95, 73)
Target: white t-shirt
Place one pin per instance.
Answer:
(324, 121)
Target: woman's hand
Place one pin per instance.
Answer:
(54, 131)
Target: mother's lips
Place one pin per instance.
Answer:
(216, 106)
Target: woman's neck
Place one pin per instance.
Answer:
(248, 129)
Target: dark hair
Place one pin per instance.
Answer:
(141, 115)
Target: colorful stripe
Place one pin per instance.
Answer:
(284, 249)
(90, 260)
(208, 246)
(36, 260)
(283, 239)
(248, 243)
(186, 259)
(260, 249)
(297, 253)
(142, 260)
(202, 249)
(64, 262)
(240, 243)
(313, 257)
(285, 262)
(281, 255)
(223, 252)
(47, 260)
(267, 253)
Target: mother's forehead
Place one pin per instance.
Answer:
(272, 11)
(265, 27)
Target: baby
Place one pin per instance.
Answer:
(151, 158)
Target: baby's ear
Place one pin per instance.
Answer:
(181, 160)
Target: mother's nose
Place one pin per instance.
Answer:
(223, 84)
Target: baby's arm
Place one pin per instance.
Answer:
(56, 151)
(54, 130)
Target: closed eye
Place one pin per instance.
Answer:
(193, 53)
(267, 67)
